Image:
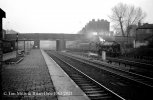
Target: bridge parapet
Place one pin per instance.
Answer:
(44, 36)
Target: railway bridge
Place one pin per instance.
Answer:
(60, 38)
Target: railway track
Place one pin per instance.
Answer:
(93, 89)
(141, 79)
(140, 64)
(133, 90)
(138, 68)
(132, 63)
(145, 69)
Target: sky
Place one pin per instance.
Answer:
(61, 16)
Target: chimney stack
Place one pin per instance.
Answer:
(139, 23)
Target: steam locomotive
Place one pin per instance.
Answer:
(112, 48)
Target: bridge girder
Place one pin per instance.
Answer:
(44, 36)
(36, 37)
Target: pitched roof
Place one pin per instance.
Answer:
(2, 13)
(146, 26)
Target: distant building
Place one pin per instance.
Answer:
(96, 26)
(111, 33)
(11, 31)
(101, 27)
(144, 31)
(144, 34)
(139, 35)
(4, 33)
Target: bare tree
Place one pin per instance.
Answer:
(124, 16)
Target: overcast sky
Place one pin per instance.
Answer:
(61, 16)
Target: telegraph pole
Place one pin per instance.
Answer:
(24, 44)
(2, 15)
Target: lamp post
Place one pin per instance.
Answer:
(28, 46)
(17, 45)
(24, 45)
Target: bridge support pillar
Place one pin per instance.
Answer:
(60, 45)
(36, 44)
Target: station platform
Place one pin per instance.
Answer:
(65, 87)
(28, 80)
(38, 77)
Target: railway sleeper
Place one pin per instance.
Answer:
(77, 77)
(84, 84)
(101, 98)
(91, 89)
(97, 94)
(89, 86)
(80, 80)
(95, 91)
